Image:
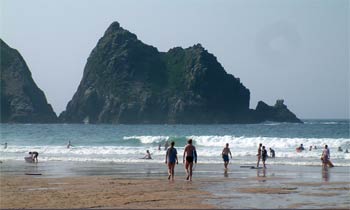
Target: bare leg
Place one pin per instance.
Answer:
(187, 172)
(169, 170)
(257, 164)
(173, 171)
(191, 166)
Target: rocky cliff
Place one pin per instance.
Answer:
(277, 113)
(21, 100)
(127, 81)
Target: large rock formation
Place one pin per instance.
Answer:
(21, 100)
(127, 81)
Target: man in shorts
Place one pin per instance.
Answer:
(190, 154)
(225, 152)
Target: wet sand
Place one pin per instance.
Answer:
(98, 192)
(108, 185)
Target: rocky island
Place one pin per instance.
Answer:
(21, 99)
(128, 81)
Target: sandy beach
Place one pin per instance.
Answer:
(99, 192)
(108, 185)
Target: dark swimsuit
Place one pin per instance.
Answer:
(36, 154)
(225, 157)
(189, 159)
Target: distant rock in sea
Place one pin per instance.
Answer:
(21, 99)
(277, 113)
(127, 81)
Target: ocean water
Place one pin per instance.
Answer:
(128, 143)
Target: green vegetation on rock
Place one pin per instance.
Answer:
(127, 81)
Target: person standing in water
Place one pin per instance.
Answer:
(259, 154)
(69, 145)
(225, 152)
(171, 159)
(34, 156)
(166, 145)
(272, 153)
(326, 157)
(264, 155)
(190, 154)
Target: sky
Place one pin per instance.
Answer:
(294, 50)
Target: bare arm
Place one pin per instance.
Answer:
(166, 156)
(195, 154)
(183, 157)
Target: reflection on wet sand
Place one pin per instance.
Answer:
(261, 173)
(325, 174)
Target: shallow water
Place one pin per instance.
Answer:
(295, 186)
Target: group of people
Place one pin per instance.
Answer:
(340, 150)
(262, 155)
(33, 155)
(189, 156)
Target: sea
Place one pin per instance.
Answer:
(128, 143)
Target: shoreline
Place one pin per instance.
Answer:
(111, 185)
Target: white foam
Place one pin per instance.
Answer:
(148, 139)
(209, 150)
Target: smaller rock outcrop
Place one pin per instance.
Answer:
(21, 99)
(277, 113)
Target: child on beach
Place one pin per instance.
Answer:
(190, 154)
(170, 159)
(225, 152)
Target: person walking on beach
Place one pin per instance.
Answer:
(225, 152)
(264, 156)
(190, 154)
(259, 154)
(171, 159)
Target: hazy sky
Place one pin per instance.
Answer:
(295, 50)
